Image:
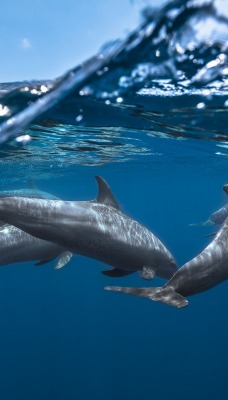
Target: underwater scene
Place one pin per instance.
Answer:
(114, 217)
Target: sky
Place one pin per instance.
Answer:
(42, 39)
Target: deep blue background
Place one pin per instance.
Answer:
(63, 337)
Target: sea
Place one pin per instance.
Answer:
(149, 114)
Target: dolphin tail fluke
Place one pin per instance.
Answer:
(166, 295)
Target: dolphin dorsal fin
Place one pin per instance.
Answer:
(105, 195)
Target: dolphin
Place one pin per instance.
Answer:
(217, 217)
(96, 229)
(206, 270)
(32, 193)
(18, 246)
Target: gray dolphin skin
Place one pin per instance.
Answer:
(96, 229)
(32, 193)
(206, 270)
(18, 246)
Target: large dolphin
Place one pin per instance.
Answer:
(203, 272)
(96, 229)
(18, 246)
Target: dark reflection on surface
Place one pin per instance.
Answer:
(84, 146)
(140, 125)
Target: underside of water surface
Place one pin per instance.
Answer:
(168, 78)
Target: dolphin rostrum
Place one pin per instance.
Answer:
(206, 270)
(96, 229)
(18, 246)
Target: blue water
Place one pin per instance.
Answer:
(164, 154)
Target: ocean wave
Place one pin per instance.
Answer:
(178, 50)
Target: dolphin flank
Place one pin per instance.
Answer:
(96, 229)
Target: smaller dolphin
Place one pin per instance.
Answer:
(96, 229)
(31, 193)
(218, 217)
(203, 272)
(18, 246)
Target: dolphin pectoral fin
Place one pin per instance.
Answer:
(42, 262)
(147, 273)
(116, 272)
(105, 195)
(166, 295)
(64, 258)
